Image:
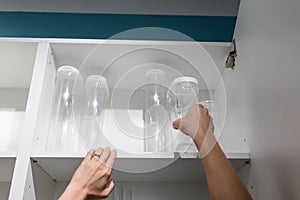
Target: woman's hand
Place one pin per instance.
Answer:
(197, 123)
(92, 179)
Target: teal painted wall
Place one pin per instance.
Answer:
(103, 26)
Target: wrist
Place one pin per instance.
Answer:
(205, 143)
(198, 140)
(74, 191)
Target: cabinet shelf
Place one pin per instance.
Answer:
(170, 168)
(8, 154)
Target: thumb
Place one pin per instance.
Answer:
(176, 123)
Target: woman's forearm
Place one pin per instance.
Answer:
(223, 182)
(73, 192)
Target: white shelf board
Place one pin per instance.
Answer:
(82, 154)
(8, 154)
(110, 41)
(172, 169)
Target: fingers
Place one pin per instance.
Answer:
(105, 155)
(99, 153)
(108, 188)
(204, 109)
(110, 162)
(176, 124)
(111, 159)
(89, 154)
(201, 106)
(95, 171)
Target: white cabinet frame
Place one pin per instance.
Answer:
(23, 156)
(22, 185)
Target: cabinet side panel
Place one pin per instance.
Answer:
(265, 88)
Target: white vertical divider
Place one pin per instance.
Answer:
(22, 164)
(29, 191)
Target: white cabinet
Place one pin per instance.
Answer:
(44, 175)
(261, 106)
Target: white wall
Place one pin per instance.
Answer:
(10, 130)
(263, 94)
(13, 98)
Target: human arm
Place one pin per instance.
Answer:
(223, 182)
(92, 178)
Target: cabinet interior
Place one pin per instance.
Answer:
(53, 170)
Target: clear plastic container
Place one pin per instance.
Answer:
(65, 115)
(210, 105)
(183, 92)
(96, 96)
(157, 135)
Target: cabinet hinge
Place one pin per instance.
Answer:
(230, 61)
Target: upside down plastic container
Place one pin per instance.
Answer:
(65, 114)
(96, 96)
(157, 135)
(183, 93)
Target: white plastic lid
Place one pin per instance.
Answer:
(69, 73)
(185, 86)
(68, 68)
(185, 79)
(185, 82)
(156, 76)
(155, 72)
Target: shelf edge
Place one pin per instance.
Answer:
(229, 155)
(109, 41)
(8, 154)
